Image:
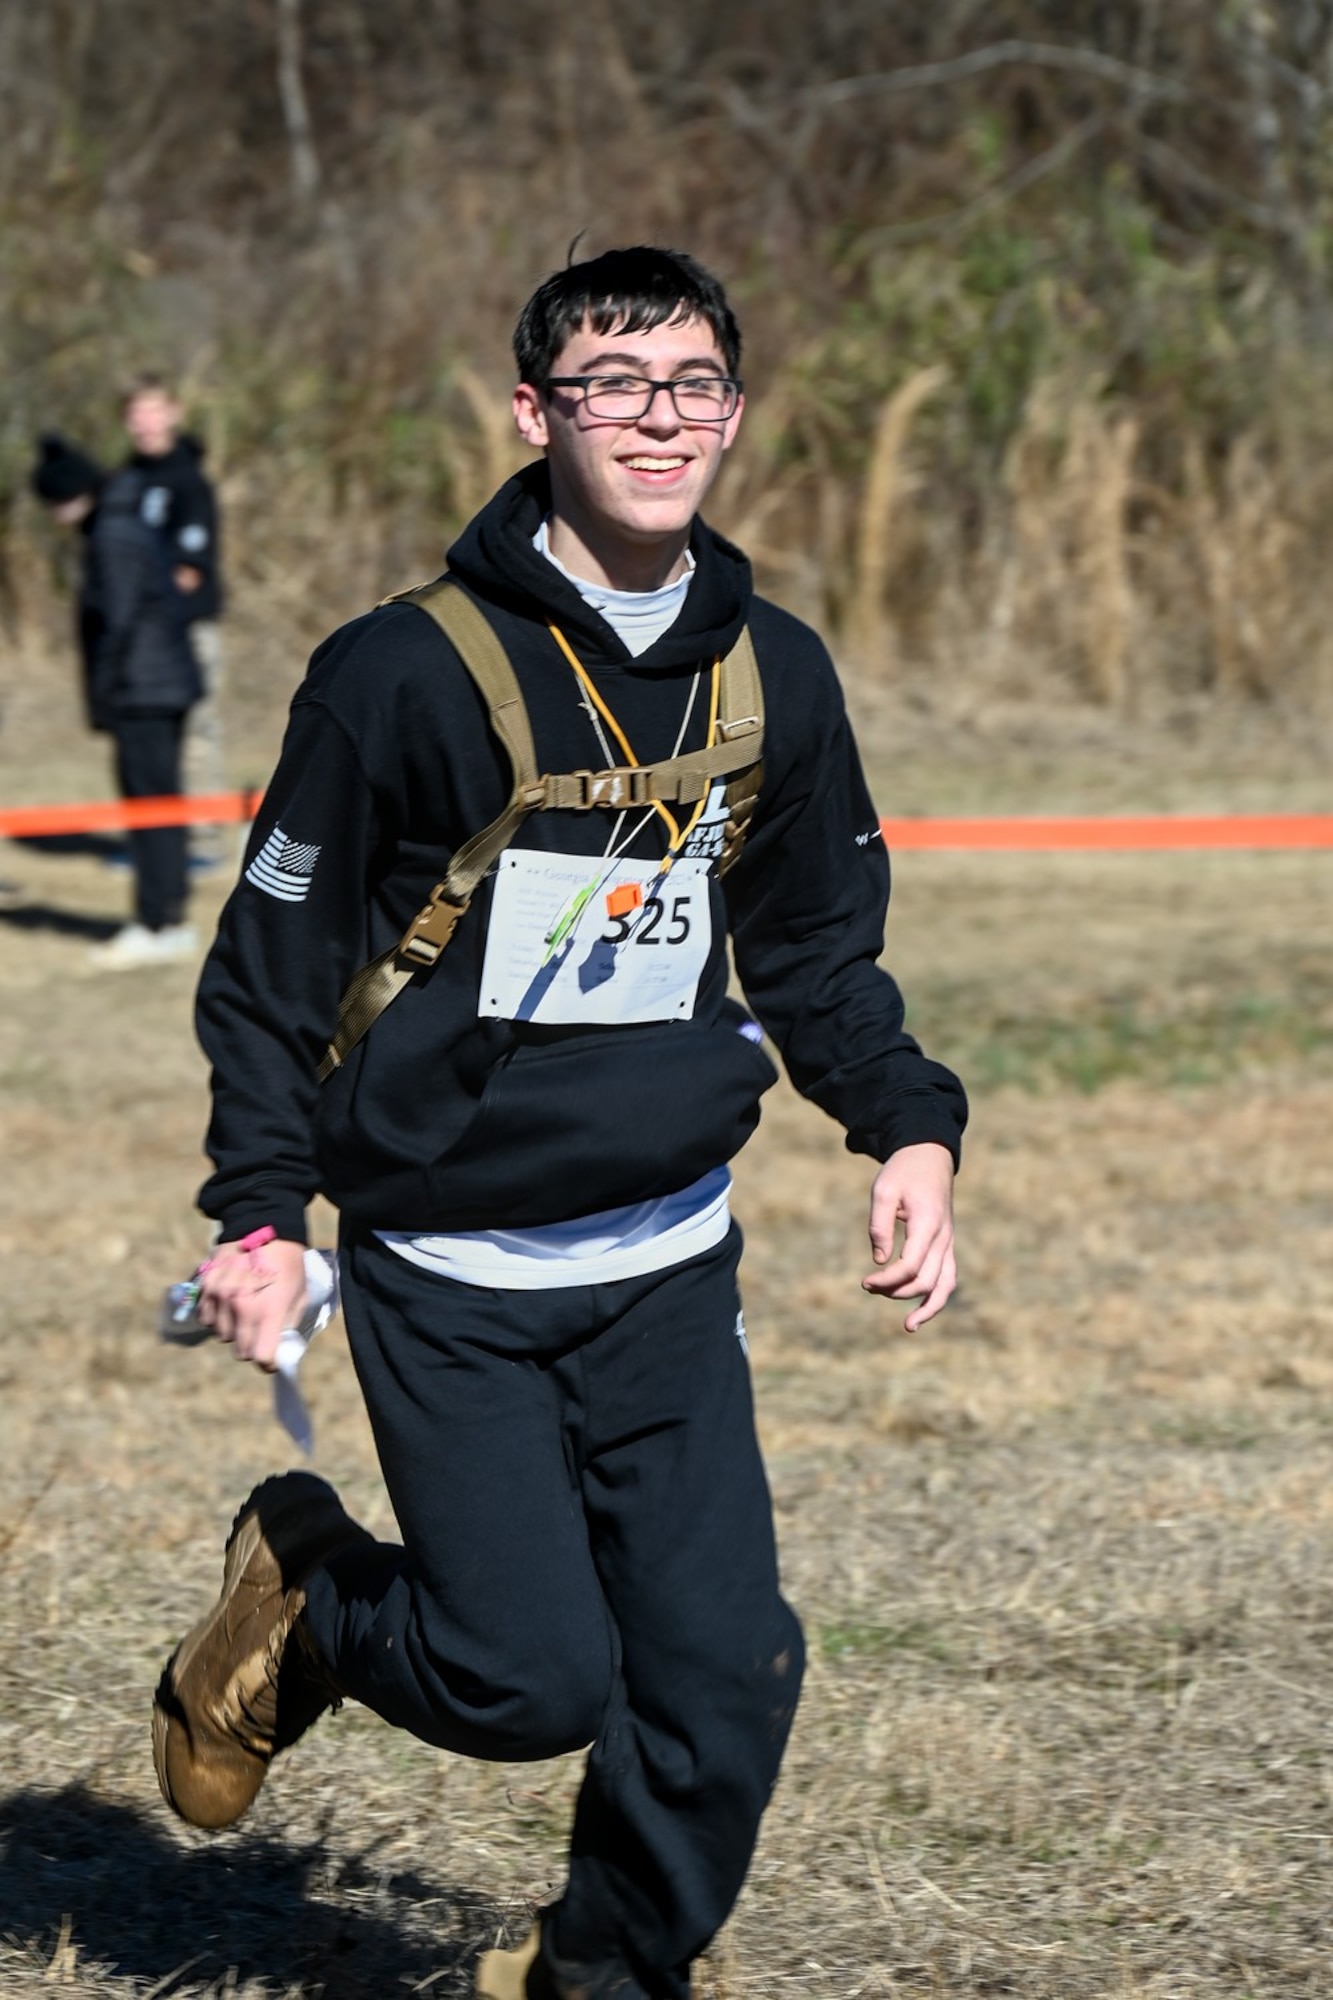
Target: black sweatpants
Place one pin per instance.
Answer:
(588, 1558)
(148, 766)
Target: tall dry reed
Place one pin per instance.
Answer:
(889, 483)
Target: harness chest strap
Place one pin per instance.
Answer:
(675, 780)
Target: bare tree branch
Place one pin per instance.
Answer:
(1174, 164)
(295, 111)
(996, 55)
(957, 219)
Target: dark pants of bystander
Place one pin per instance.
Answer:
(148, 766)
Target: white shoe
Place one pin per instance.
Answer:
(137, 945)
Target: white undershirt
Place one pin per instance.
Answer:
(637, 617)
(618, 1242)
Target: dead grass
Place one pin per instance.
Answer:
(1062, 1562)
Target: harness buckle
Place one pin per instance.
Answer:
(622, 785)
(430, 931)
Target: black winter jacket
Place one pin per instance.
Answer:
(178, 501)
(442, 1118)
(132, 632)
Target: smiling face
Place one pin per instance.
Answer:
(624, 492)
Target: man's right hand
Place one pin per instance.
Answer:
(249, 1297)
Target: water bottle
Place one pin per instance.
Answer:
(179, 1322)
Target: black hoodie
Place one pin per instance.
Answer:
(442, 1119)
(180, 504)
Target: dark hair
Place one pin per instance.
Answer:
(622, 291)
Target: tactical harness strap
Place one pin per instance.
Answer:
(680, 780)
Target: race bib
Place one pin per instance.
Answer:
(577, 941)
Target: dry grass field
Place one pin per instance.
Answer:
(1065, 1560)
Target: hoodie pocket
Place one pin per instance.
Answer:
(597, 1120)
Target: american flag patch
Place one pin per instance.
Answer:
(283, 867)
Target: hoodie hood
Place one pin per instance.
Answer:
(495, 557)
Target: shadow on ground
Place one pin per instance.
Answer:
(82, 1876)
(108, 847)
(66, 923)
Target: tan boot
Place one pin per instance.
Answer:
(523, 1974)
(235, 1692)
(503, 1975)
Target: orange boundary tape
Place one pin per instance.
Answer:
(118, 815)
(1110, 834)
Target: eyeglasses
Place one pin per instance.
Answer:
(697, 399)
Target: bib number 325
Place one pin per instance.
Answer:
(567, 943)
(657, 920)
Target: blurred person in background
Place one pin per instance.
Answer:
(530, 1147)
(180, 502)
(140, 680)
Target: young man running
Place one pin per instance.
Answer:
(529, 1147)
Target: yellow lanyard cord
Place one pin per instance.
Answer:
(679, 835)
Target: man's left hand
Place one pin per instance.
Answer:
(914, 1187)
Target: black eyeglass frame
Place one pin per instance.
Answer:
(651, 386)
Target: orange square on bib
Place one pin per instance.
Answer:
(621, 900)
